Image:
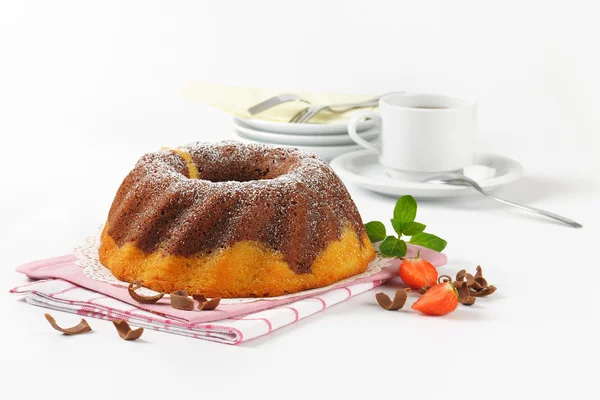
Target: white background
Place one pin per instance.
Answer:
(87, 87)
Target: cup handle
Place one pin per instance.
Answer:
(356, 137)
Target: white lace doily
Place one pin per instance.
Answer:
(87, 257)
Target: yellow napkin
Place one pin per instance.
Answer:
(237, 100)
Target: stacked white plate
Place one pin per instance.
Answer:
(325, 140)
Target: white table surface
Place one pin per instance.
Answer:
(83, 106)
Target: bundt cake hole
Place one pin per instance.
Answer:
(225, 174)
(232, 164)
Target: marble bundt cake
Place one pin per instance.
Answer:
(233, 220)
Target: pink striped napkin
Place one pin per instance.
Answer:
(61, 295)
(62, 286)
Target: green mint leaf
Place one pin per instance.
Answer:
(405, 211)
(375, 231)
(428, 240)
(414, 228)
(393, 247)
(397, 225)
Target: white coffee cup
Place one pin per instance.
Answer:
(421, 134)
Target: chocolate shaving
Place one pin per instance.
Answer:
(444, 278)
(424, 289)
(200, 298)
(205, 304)
(479, 273)
(463, 275)
(463, 293)
(468, 301)
(399, 299)
(469, 279)
(125, 330)
(469, 287)
(81, 327)
(210, 304)
(181, 301)
(476, 286)
(481, 293)
(461, 287)
(480, 286)
(138, 297)
(480, 280)
(486, 291)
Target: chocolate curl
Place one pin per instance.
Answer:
(469, 279)
(125, 330)
(480, 280)
(460, 275)
(486, 291)
(181, 301)
(200, 298)
(477, 286)
(463, 293)
(138, 297)
(424, 289)
(444, 278)
(479, 273)
(204, 304)
(399, 299)
(468, 301)
(462, 288)
(480, 287)
(81, 327)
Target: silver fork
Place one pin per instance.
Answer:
(275, 101)
(457, 179)
(308, 113)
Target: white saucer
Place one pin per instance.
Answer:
(300, 129)
(302, 140)
(363, 169)
(327, 153)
